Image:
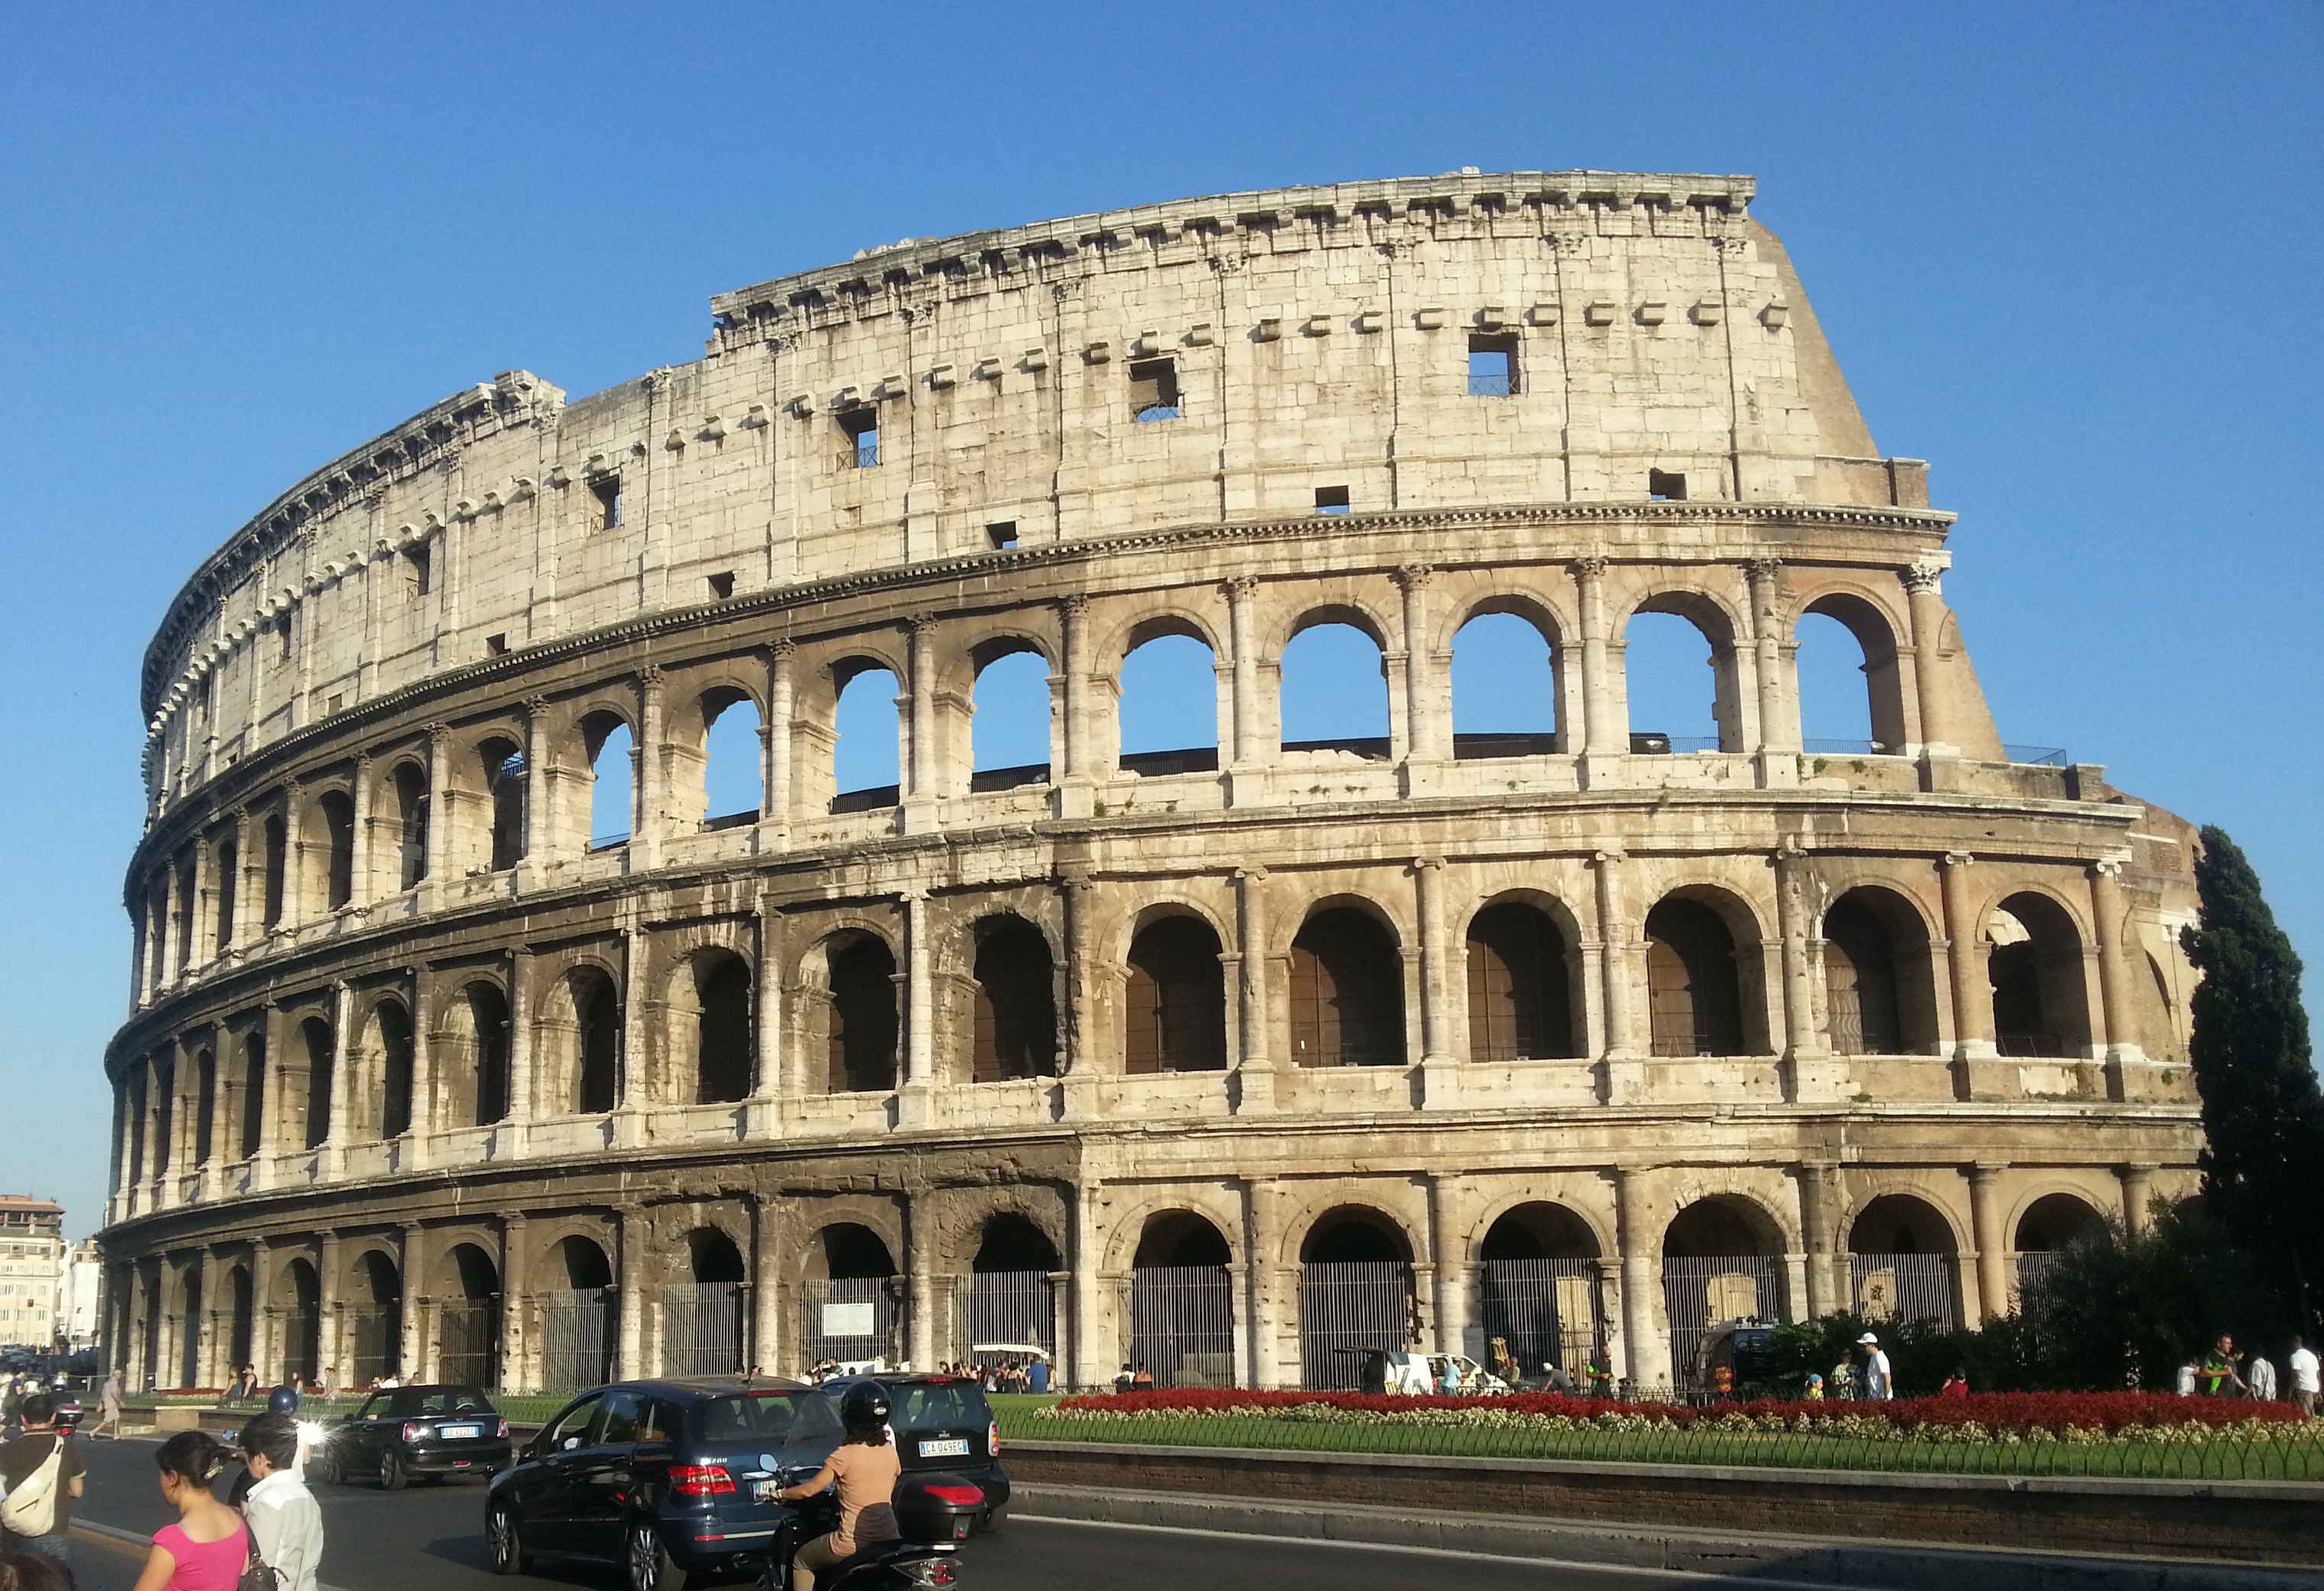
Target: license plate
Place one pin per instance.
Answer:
(946, 1448)
(764, 1491)
(453, 1433)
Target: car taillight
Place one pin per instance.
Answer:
(700, 1480)
(959, 1496)
(992, 1439)
(413, 1431)
(504, 1430)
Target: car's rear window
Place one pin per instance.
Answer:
(940, 1405)
(439, 1400)
(768, 1416)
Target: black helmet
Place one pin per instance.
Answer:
(282, 1400)
(864, 1408)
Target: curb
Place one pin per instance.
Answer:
(1771, 1559)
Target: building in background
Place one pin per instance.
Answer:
(79, 1287)
(31, 1262)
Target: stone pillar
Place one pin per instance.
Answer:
(1447, 1245)
(411, 1262)
(914, 1098)
(2137, 1193)
(2110, 925)
(428, 1112)
(1985, 1206)
(1602, 737)
(336, 1130)
(1439, 1056)
(920, 1261)
(1645, 1356)
(633, 1089)
(265, 1319)
(1926, 608)
(1428, 736)
(1076, 778)
(1972, 992)
(439, 862)
(763, 1117)
(327, 1309)
(775, 798)
(1242, 626)
(1778, 748)
(1084, 1029)
(648, 784)
(1263, 1233)
(922, 770)
(539, 825)
(767, 1346)
(1617, 936)
(1087, 1366)
(521, 1104)
(1255, 1072)
(1826, 1255)
(1811, 1074)
(631, 1241)
(359, 881)
(242, 913)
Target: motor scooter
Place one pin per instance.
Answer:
(881, 1566)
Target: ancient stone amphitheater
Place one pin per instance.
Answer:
(473, 1033)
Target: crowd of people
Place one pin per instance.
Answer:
(2225, 1371)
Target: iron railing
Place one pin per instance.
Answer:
(993, 1308)
(1348, 1307)
(375, 1331)
(578, 1331)
(851, 1320)
(1544, 1312)
(1904, 1287)
(1181, 1324)
(1707, 1291)
(702, 1328)
(468, 1343)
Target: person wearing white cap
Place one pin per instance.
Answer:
(1879, 1383)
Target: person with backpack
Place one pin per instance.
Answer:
(42, 1471)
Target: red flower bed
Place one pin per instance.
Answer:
(1992, 1411)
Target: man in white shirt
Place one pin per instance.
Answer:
(2304, 1382)
(1879, 1382)
(2261, 1373)
(285, 1520)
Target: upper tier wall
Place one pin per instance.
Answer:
(1319, 339)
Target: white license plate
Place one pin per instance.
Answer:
(946, 1448)
(453, 1433)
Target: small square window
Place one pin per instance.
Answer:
(1153, 389)
(607, 491)
(1003, 535)
(1331, 500)
(497, 645)
(334, 704)
(862, 428)
(1666, 486)
(722, 585)
(1492, 366)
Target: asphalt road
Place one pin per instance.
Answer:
(433, 1536)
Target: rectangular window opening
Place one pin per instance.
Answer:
(1666, 486)
(1153, 389)
(1331, 500)
(607, 490)
(722, 585)
(333, 703)
(1003, 535)
(416, 571)
(497, 645)
(862, 428)
(1493, 365)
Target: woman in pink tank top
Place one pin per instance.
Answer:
(206, 1549)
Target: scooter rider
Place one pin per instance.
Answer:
(867, 1468)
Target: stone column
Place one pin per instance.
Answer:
(1255, 1072)
(1646, 1355)
(923, 771)
(1777, 758)
(1439, 1056)
(1076, 780)
(327, 1308)
(1447, 1200)
(439, 862)
(1602, 737)
(2137, 1192)
(1926, 608)
(410, 1261)
(428, 1112)
(237, 927)
(342, 1101)
(2110, 925)
(775, 799)
(516, 1369)
(1986, 1203)
(1819, 1212)
(1809, 1077)
(631, 1241)
(651, 776)
(1242, 627)
(521, 1104)
(1617, 936)
(914, 1095)
(1262, 1234)
(1082, 1035)
(1972, 992)
(265, 1319)
(1428, 738)
(1087, 1365)
(359, 881)
(921, 1262)
(764, 1114)
(539, 828)
(767, 1346)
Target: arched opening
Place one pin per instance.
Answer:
(1015, 1029)
(391, 1027)
(1007, 1301)
(1540, 1285)
(1851, 699)
(334, 816)
(479, 1079)
(2035, 961)
(850, 1303)
(733, 773)
(1356, 1295)
(1901, 1262)
(721, 985)
(1504, 687)
(468, 1320)
(579, 1324)
(275, 840)
(504, 781)
(314, 1127)
(409, 785)
(1175, 1000)
(251, 1129)
(299, 1295)
(1693, 995)
(613, 768)
(375, 1320)
(597, 1042)
(205, 1088)
(1520, 999)
(702, 1318)
(1008, 717)
(1334, 690)
(241, 1318)
(867, 762)
(1182, 1302)
(1347, 992)
(1880, 995)
(1168, 711)
(1722, 1264)
(864, 1022)
(1673, 647)
(2050, 1224)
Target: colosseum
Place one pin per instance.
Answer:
(528, 989)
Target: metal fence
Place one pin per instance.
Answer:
(1904, 1287)
(1346, 1307)
(702, 1328)
(302, 1341)
(1181, 1324)
(375, 1333)
(468, 1343)
(852, 1319)
(1704, 1291)
(1545, 1311)
(995, 1307)
(578, 1331)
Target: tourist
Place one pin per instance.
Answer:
(1815, 1388)
(1842, 1380)
(29, 1571)
(2218, 1371)
(245, 1384)
(1036, 1377)
(1956, 1384)
(1879, 1383)
(285, 1520)
(2185, 1386)
(42, 1471)
(1122, 1379)
(2263, 1378)
(208, 1546)
(108, 1404)
(2302, 1363)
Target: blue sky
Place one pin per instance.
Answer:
(2069, 255)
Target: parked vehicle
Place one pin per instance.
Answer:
(1386, 1370)
(408, 1433)
(944, 1432)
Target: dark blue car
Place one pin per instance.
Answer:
(672, 1481)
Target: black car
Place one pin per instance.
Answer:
(944, 1429)
(415, 1432)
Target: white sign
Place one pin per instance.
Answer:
(850, 1320)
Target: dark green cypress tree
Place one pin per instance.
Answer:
(2264, 1169)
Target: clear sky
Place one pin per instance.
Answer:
(2069, 255)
